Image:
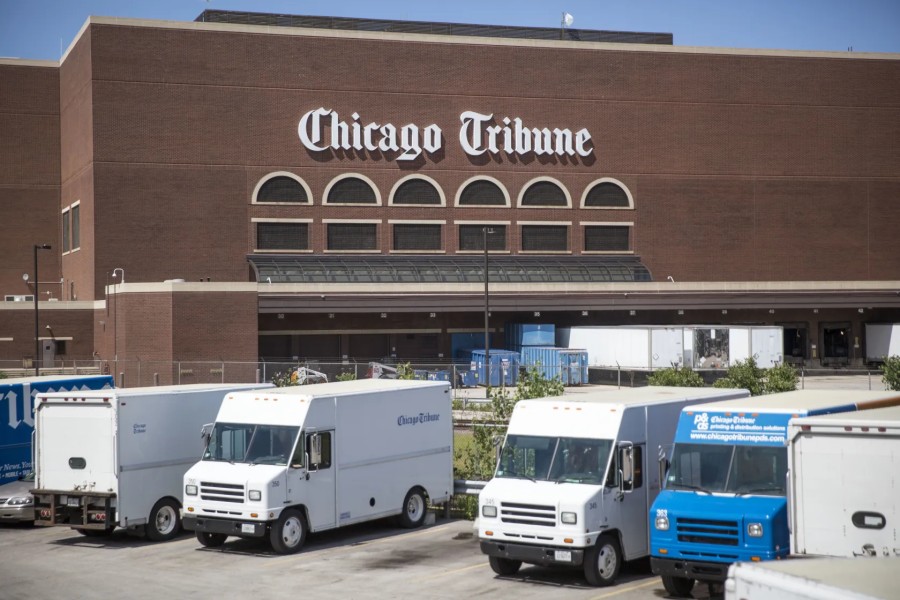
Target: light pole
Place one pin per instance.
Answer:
(116, 317)
(37, 340)
(487, 341)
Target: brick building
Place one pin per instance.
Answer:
(249, 186)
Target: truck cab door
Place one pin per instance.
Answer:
(313, 484)
(630, 494)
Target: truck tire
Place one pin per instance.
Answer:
(678, 587)
(288, 533)
(164, 522)
(504, 566)
(211, 540)
(602, 562)
(414, 508)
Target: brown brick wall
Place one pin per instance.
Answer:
(29, 175)
(742, 167)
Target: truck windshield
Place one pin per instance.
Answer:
(728, 469)
(560, 459)
(254, 444)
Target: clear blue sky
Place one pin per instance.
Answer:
(38, 29)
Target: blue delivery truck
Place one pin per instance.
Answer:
(17, 415)
(723, 499)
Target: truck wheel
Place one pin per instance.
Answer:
(504, 566)
(211, 540)
(679, 587)
(414, 508)
(288, 533)
(164, 523)
(602, 562)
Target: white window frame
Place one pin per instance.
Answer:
(597, 182)
(403, 180)
(555, 181)
(343, 176)
(289, 175)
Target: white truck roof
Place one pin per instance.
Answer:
(641, 396)
(887, 417)
(819, 578)
(804, 401)
(152, 390)
(356, 386)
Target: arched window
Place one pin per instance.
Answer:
(482, 192)
(607, 193)
(544, 192)
(282, 187)
(351, 189)
(417, 190)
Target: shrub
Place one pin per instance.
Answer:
(676, 376)
(346, 376)
(890, 372)
(749, 376)
(780, 378)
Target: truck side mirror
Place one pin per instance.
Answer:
(206, 433)
(315, 450)
(626, 470)
(664, 465)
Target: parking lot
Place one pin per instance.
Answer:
(376, 560)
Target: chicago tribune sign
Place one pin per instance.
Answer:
(323, 129)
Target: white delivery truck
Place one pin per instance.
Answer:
(117, 457)
(814, 579)
(573, 487)
(284, 462)
(844, 483)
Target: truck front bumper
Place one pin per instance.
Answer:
(226, 526)
(690, 569)
(534, 555)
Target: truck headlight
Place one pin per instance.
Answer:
(662, 523)
(255, 495)
(755, 529)
(190, 490)
(488, 511)
(569, 518)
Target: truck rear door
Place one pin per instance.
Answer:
(76, 446)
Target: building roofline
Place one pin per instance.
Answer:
(466, 40)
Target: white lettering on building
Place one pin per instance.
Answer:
(322, 129)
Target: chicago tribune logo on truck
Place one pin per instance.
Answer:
(425, 417)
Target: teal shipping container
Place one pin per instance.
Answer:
(568, 365)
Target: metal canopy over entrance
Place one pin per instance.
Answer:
(447, 269)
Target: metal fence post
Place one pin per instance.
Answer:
(122, 380)
(223, 371)
(156, 379)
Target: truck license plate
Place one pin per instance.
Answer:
(70, 501)
(248, 528)
(563, 555)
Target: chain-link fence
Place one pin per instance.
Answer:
(140, 373)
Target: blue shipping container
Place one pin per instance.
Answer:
(519, 335)
(568, 365)
(17, 406)
(504, 366)
(461, 343)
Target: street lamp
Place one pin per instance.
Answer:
(487, 341)
(37, 280)
(116, 317)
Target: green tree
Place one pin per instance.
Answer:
(676, 376)
(346, 376)
(750, 376)
(285, 378)
(405, 371)
(780, 378)
(479, 458)
(890, 372)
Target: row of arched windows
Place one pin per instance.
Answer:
(420, 190)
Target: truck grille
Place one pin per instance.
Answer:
(707, 531)
(528, 514)
(221, 492)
